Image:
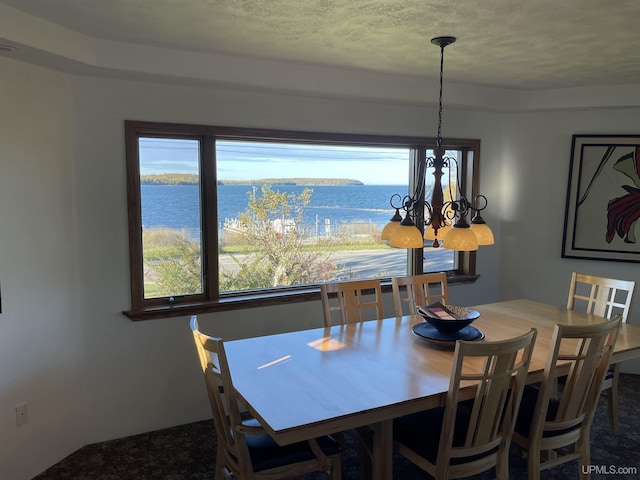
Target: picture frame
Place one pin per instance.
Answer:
(603, 199)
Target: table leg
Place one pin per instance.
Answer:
(382, 461)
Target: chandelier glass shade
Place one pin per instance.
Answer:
(440, 220)
(406, 234)
(461, 237)
(482, 230)
(391, 227)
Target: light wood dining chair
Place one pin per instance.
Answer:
(472, 432)
(556, 430)
(605, 297)
(245, 450)
(418, 290)
(351, 302)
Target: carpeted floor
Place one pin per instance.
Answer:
(188, 452)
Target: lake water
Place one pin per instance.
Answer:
(177, 206)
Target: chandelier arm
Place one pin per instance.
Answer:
(479, 199)
(428, 218)
(457, 179)
(448, 213)
(451, 210)
(409, 204)
(465, 206)
(396, 196)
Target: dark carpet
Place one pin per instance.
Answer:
(188, 452)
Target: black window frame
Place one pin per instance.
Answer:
(211, 300)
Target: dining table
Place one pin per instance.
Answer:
(308, 383)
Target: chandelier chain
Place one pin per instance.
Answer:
(439, 139)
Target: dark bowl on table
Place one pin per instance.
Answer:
(448, 326)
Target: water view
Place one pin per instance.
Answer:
(177, 206)
(338, 237)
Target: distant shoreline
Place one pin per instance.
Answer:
(191, 179)
(293, 181)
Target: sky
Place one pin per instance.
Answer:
(254, 160)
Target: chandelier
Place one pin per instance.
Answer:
(444, 221)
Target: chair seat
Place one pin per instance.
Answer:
(608, 376)
(421, 432)
(527, 409)
(266, 454)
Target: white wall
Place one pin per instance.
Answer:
(42, 339)
(535, 158)
(156, 381)
(64, 256)
(90, 374)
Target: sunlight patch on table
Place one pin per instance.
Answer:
(327, 344)
(278, 361)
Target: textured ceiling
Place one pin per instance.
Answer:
(533, 44)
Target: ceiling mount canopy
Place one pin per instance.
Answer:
(443, 41)
(443, 220)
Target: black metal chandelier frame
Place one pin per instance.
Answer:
(438, 213)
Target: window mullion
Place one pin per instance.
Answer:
(135, 221)
(417, 171)
(210, 217)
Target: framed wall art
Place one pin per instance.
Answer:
(603, 199)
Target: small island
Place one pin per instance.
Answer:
(192, 179)
(293, 181)
(170, 179)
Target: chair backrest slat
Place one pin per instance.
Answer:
(354, 301)
(418, 290)
(601, 296)
(497, 386)
(587, 349)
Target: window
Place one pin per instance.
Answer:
(223, 218)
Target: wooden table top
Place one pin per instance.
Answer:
(309, 383)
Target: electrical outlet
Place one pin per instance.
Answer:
(22, 416)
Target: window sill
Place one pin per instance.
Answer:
(253, 300)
